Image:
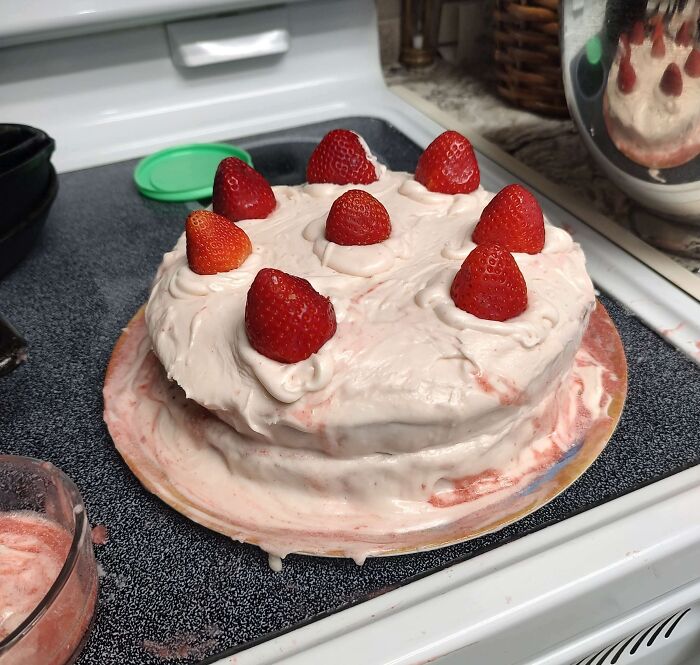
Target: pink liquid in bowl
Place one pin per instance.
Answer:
(33, 551)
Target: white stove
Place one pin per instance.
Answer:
(619, 583)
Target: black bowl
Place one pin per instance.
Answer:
(18, 143)
(16, 242)
(25, 171)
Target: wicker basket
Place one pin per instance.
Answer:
(528, 58)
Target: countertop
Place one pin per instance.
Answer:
(552, 146)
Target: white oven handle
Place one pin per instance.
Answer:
(228, 38)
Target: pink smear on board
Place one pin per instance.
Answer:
(100, 535)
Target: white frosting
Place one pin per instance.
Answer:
(379, 168)
(408, 381)
(646, 113)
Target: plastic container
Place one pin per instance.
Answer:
(45, 533)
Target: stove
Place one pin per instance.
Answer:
(606, 573)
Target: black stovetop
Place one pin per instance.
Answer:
(168, 583)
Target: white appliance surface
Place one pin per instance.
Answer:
(122, 79)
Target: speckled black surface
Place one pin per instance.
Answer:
(168, 582)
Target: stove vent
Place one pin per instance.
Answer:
(635, 648)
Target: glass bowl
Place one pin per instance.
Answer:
(48, 574)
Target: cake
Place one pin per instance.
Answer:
(332, 393)
(652, 99)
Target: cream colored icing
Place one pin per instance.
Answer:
(653, 117)
(405, 370)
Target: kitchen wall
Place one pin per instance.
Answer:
(464, 37)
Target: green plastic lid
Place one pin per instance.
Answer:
(594, 50)
(184, 173)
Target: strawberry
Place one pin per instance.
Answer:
(513, 219)
(448, 165)
(285, 318)
(692, 64)
(658, 48)
(340, 158)
(672, 81)
(637, 34)
(659, 29)
(489, 284)
(214, 244)
(626, 76)
(357, 218)
(240, 192)
(685, 34)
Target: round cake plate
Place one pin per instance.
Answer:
(510, 502)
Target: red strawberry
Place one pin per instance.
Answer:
(340, 158)
(626, 76)
(685, 34)
(637, 34)
(672, 81)
(489, 284)
(285, 318)
(357, 218)
(214, 244)
(513, 219)
(658, 48)
(448, 165)
(659, 28)
(240, 192)
(692, 64)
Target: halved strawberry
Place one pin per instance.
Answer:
(489, 284)
(341, 159)
(357, 218)
(626, 76)
(448, 165)
(514, 220)
(637, 33)
(286, 319)
(671, 83)
(240, 192)
(685, 34)
(214, 244)
(692, 64)
(658, 48)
